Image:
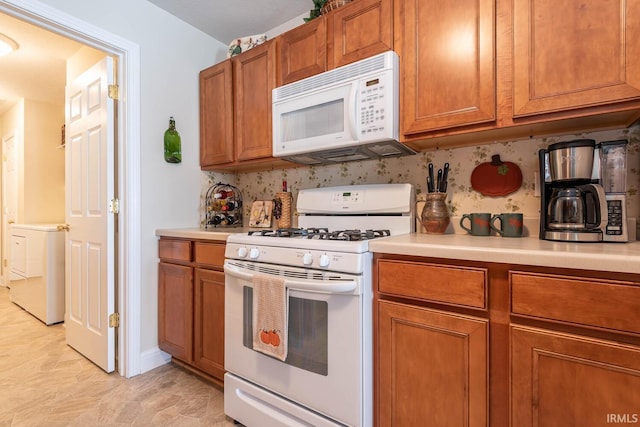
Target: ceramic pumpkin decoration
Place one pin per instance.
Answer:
(496, 178)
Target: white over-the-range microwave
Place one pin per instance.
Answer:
(345, 114)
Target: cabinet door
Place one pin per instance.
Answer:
(255, 77)
(175, 310)
(359, 30)
(432, 367)
(216, 115)
(574, 54)
(302, 52)
(209, 322)
(566, 380)
(448, 63)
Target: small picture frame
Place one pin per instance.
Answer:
(261, 211)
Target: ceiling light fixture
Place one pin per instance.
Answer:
(7, 45)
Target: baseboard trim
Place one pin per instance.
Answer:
(153, 358)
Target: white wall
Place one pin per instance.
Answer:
(40, 159)
(171, 54)
(82, 60)
(43, 163)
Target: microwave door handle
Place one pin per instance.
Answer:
(318, 286)
(353, 117)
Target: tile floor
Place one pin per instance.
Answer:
(44, 382)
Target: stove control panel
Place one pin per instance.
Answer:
(344, 199)
(306, 258)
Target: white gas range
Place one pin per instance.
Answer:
(326, 377)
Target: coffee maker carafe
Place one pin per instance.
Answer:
(573, 204)
(572, 208)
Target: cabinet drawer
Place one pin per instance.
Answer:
(176, 250)
(209, 254)
(464, 286)
(592, 302)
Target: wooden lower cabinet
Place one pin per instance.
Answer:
(208, 348)
(191, 305)
(568, 380)
(175, 302)
(432, 367)
(463, 343)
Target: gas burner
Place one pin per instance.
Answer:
(290, 232)
(321, 233)
(351, 235)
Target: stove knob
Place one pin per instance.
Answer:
(242, 252)
(324, 260)
(307, 259)
(254, 253)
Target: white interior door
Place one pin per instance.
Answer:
(89, 245)
(10, 146)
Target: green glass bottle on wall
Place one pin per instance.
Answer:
(172, 143)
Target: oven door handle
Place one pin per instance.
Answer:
(318, 286)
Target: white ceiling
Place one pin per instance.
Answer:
(37, 70)
(227, 20)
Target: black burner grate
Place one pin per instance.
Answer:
(323, 233)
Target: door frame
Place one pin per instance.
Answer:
(127, 248)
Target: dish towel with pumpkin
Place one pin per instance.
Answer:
(270, 316)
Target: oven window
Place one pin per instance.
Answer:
(308, 332)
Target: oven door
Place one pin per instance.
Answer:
(324, 367)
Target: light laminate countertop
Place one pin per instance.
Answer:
(216, 234)
(614, 257)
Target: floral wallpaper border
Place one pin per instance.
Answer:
(462, 198)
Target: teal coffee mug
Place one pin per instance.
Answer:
(510, 224)
(478, 223)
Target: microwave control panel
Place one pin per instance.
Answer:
(375, 104)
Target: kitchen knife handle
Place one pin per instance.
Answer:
(431, 188)
(445, 177)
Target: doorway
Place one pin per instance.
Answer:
(128, 135)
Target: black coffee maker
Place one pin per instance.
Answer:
(573, 206)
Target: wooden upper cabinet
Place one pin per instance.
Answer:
(216, 115)
(254, 79)
(568, 55)
(359, 30)
(302, 52)
(447, 52)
